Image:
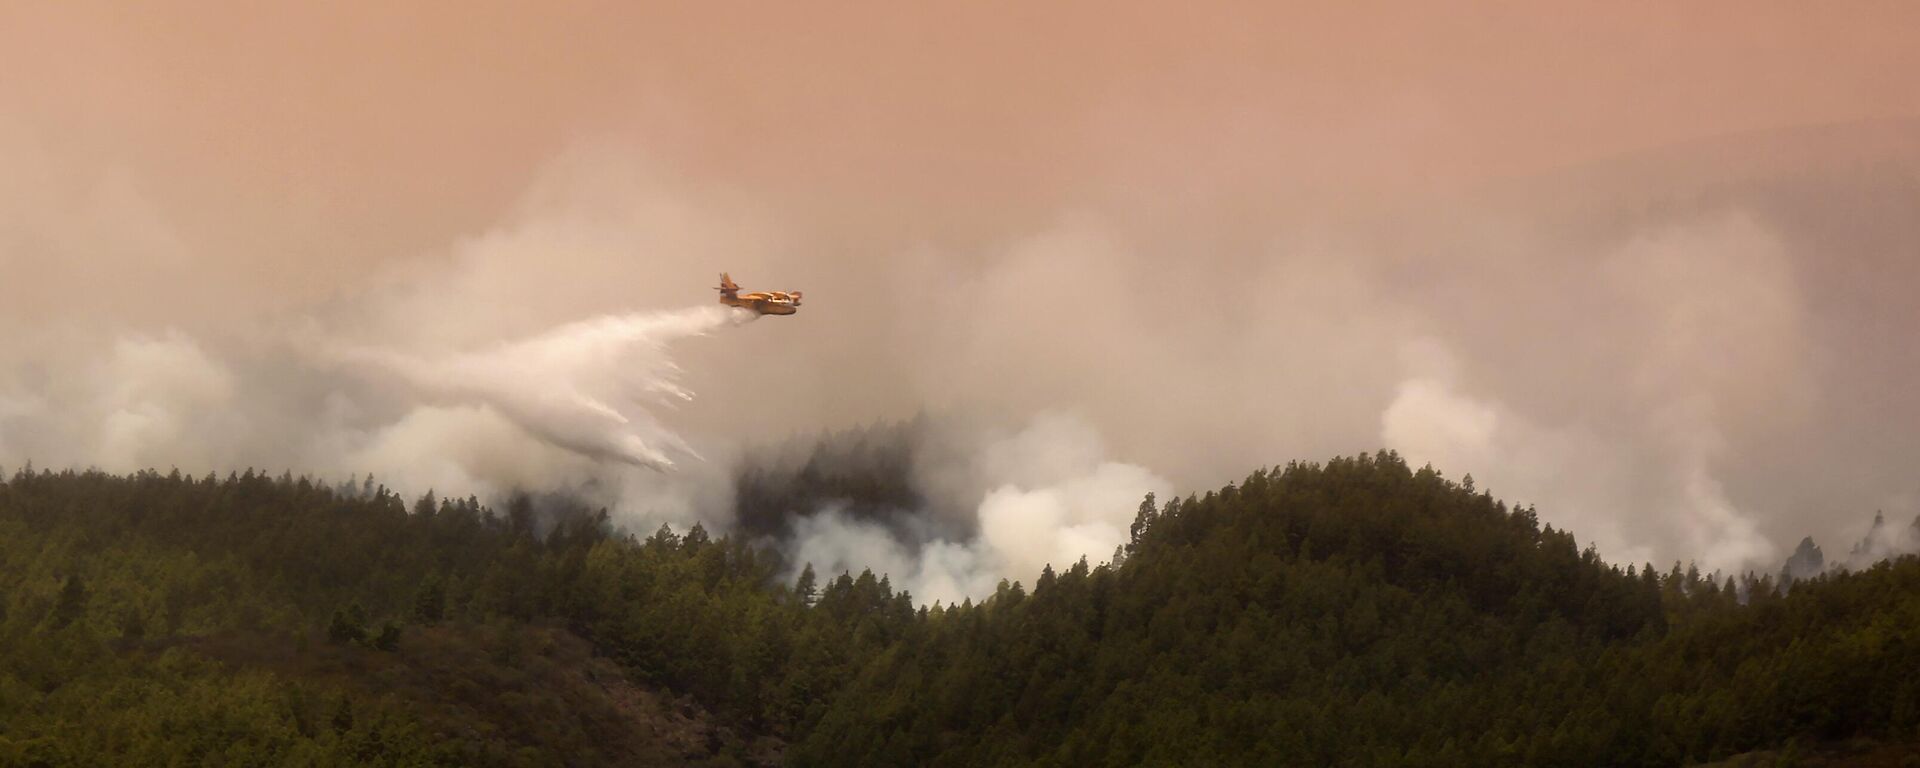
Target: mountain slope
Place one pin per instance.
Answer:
(1357, 612)
(170, 619)
(1360, 613)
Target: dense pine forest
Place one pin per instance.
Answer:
(1356, 613)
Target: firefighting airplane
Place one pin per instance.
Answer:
(763, 302)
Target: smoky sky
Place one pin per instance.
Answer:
(1651, 269)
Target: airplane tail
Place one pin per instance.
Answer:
(727, 286)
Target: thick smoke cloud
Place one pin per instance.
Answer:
(1673, 312)
(1045, 495)
(1714, 322)
(430, 376)
(1617, 374)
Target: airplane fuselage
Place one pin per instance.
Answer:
(763, 302)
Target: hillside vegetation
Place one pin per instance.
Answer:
(1356, 612)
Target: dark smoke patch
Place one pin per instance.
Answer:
(866, 473)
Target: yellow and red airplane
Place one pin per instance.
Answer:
(763, 302)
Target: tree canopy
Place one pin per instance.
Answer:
(1357, 612)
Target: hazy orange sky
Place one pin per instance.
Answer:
(305, 140)
(1636, 262)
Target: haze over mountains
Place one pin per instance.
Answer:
(1694, 352)
(1643, 267)
(364, 401)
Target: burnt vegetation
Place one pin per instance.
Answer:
(1358, 612)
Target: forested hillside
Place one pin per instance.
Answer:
(1362, 613)
(1357, 612)
(252, 621)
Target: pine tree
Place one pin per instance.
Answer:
(520, 515)
(71, 604)
(349, 626)
(430, 603)
(804, 588)
(342, 718)
(389, 637)
(1142, 520)
(425, 507)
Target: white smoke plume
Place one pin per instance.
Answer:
(1712, 310)
(1047, 495)
(1884, 539)
(1674, 369)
